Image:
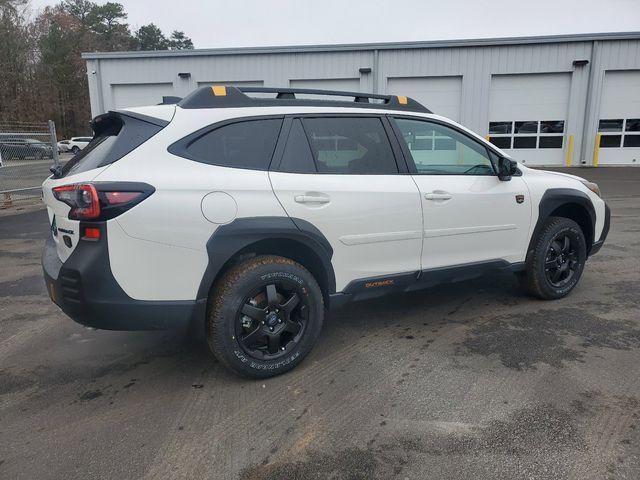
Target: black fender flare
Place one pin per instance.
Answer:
(554, 198)
(228, 240)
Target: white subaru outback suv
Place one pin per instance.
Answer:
(247, 212)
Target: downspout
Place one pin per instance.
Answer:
(586, 125)
(99, 85)
(376, 75)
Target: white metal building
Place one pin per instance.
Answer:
(555, 100)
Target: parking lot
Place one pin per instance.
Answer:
(471, 380)
(24, 176)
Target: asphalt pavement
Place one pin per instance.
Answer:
(472, 380)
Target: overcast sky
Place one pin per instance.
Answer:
(232, 23)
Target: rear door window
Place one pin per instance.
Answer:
(350, 145)
(246, 144)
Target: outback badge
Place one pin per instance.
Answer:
(519, 198)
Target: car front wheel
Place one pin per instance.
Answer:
(265, 315)
(556, 263)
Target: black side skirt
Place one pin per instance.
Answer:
(376, 286)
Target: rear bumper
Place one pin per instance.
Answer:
(605, 231)
(85, 289)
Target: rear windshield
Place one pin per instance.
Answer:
(116, 135)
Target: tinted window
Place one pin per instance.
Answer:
(247, 144)
(526, 127)
(553, 126)
(351, 145)
(297, 157)
(501, 142)
(551, 142)
(610, 125)
(500, 127)
(116, 135)
(632, 141)
(610, 141)
(633, 125)
(440, 150)
(524, 142)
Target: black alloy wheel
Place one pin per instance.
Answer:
(271, 321)
(556, 260)
(561, 260)
(265, 315)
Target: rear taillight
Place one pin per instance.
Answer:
(82, 198)
(101, 200)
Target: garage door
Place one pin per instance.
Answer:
(441, 95)
(619, 125)
(528, 116)
(138, 94)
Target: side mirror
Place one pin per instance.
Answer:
(506, 169)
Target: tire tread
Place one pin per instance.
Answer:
(222, 290)
(531, 280)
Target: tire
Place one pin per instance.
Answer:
(556, 262)
(75, 150)
(277, 335)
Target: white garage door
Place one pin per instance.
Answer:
(619, 125)
(528, 116)
(441, 95)
(139, 94)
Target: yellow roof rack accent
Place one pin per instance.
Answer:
(219, 90)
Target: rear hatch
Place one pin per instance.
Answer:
(115, 135)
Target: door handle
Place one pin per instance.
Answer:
(311, 198)
(438, 196)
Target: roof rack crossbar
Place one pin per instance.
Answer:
(229, 96)
(282, 93)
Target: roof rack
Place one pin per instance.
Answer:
(229, 97)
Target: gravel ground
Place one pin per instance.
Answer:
(473, 380)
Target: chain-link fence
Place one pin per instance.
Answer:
(27, 152)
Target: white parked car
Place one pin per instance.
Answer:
(75, 144)
(247, 217)
(63, 146)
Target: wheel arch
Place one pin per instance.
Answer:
(296, 239)
(568, 203)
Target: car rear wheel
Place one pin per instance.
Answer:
(265, 315)
(75, 150)
(556, 263)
